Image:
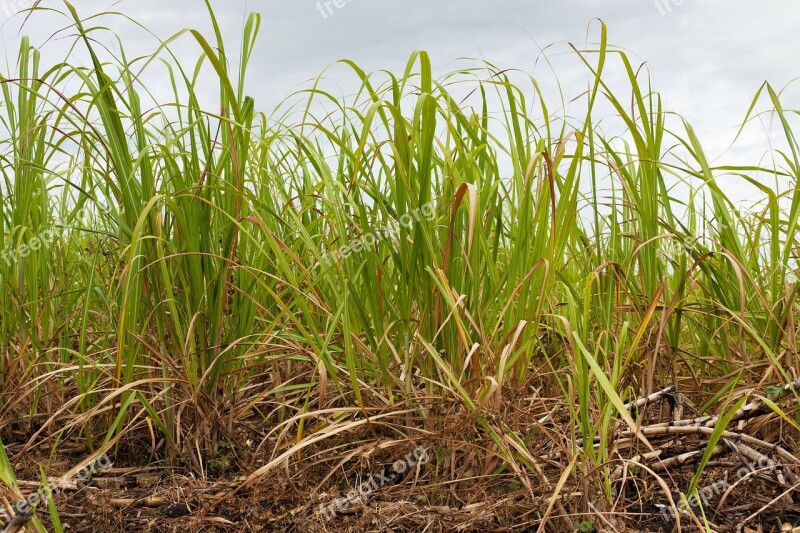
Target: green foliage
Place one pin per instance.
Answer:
(195, 282)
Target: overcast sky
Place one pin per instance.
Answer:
(707, 57)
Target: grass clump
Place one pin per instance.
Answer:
(475, 274)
